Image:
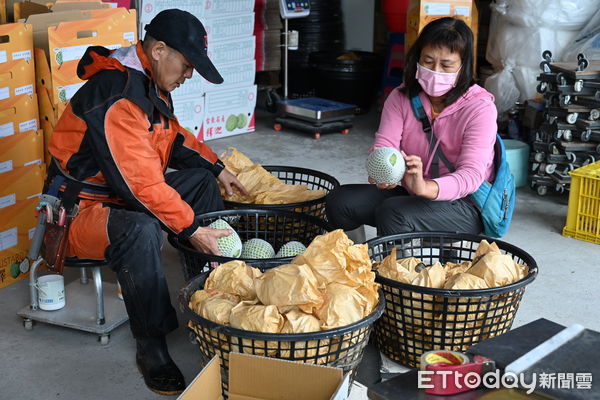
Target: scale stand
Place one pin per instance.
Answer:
(312, 114)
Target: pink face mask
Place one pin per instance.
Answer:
(434, 83)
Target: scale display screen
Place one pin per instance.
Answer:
(294, 8)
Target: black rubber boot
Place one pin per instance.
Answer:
(161, 375)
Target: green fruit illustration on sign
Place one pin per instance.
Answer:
(257, 248)
(242, 120)
(14, 270)
(62, 95)
(58, 57)
(229, 246)
(231, 123)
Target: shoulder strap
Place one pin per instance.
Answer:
(421, 115)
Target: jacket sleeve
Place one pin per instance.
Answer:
(476, 154)
(390, 129)
(188, 152)
(133, 168)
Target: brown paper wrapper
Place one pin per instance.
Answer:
(343, 306)
(234, 277)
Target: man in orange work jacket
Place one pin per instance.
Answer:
(119, 131)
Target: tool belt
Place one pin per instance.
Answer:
(65, 191)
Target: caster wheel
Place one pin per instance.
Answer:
(545, 66)
(542, 190)
(317, 136)
(547, 55)
(598, 149)
(345, 131)
(550, 168)
(578, 86)
(560, 79)
(571, 156)
(567, 135)
(594, 114)
(586, 136)
(539, 157)
(580, 56)
(564, 100)
(583, 64)
(541, 88)
(104, 339)
(560, 188)
(552, 148)
(28, 324)
(572, 118)
(277, 127)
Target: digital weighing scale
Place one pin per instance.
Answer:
(312, 114)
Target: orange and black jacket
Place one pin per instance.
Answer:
(119, 130)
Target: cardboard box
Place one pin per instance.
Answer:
(229, 26)
(68, 41)
(228, 112)
(17, 226)
(215, 8)
(17, 79)
(260, 378)
(422, 12)
(22, 183)
(17, 44)
(190, 112)
(231, 51)
(18, 114)
(234, 75)
(149, 8)
(20, 150)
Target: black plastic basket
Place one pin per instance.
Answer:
(314, 180)
(275, 226)
(418, 319)
(340, 347)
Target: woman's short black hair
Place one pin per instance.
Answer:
(447, 32)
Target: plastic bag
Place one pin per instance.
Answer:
(587, 41)
(289, 285)
(558, 14)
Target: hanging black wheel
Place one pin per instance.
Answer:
(547, 55)
(583, 64)
(541, 87)
(542, 190)
(580, 56)
(545, 66)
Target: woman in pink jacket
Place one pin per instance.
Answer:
(439, 68)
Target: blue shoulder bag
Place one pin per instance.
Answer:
(495, 201)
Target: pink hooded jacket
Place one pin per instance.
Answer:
(466, 130)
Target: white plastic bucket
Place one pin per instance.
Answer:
(51, 292)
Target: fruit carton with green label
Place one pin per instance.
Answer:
(229, 112)
(234, 75)
(189, 111)
(17, 225)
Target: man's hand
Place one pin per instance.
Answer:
(205, 239)
(229, 181)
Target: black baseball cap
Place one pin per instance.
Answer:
(185, 33)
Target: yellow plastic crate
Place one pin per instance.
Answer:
(583, 215)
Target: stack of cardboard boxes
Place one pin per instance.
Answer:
(21, 150)
(207, 110)
(38, 63)
(267, 29)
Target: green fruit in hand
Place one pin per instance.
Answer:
(291, 249)
(14, 270)
(241, 121)
(229, 246)
(231, 123)
(257, 248)
(386, 165)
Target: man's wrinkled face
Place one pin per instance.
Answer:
(170, 67)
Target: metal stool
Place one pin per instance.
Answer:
(110, 312)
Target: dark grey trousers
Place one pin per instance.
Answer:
(396, 211)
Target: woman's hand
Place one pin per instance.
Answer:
(413, 179)
(382, 185)
(229, 181)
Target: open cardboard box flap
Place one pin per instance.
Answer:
(261, 378)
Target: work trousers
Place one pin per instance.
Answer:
(134, 253)
(394, 211)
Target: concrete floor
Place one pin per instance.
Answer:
(51, 362)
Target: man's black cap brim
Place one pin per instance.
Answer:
(205, 67)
